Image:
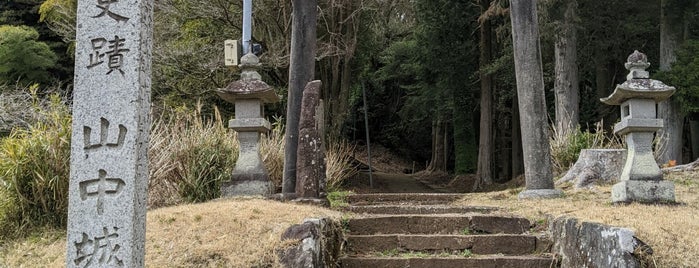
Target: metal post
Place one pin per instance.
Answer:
(247, 26)
(368, 144)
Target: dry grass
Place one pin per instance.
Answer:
(339, 166)
(220, 233)
(671, 231)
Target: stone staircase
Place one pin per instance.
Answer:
(424, 230)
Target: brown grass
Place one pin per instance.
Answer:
(221, 233)
(671, 230)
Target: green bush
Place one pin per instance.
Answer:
(34, 171)
(684, 76)
(566, 147)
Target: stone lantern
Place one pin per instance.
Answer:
(641, 179)
(249, 94)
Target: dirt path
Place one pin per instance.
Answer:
(397, 183)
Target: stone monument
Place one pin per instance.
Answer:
(250, 177)
(641, 179)
(111, 125)
(310, 162)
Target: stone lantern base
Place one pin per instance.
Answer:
(643, 191)
(249, 184)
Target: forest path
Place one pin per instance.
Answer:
(398, 183)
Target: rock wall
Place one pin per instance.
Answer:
(595, 245)
(319, 244)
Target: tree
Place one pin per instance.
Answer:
(301, 71)
(531, 100)
(484, 174)
(566, 54)
(672, 28)
(22, 57)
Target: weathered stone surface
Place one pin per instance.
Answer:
(593, 245)
(111, 125)
(540, 194)
(477, 244)
(595, 166)
(310, 162)
(641, 178)
(418, 209)
(477, 262)
(438, 224)
(250, 176)
(421, 198)
(644, 192)
(640, 163)
(319, 244)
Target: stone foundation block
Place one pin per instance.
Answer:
(644, 192)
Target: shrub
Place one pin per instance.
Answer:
(189, 157)
(272, 153)
(339, 168)
(566, 147)
(34, 171)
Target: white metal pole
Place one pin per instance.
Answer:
(247, 26)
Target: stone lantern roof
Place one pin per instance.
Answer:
(250, 85)
(638, 84)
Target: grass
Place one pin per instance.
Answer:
(220, 233)
(671, 230)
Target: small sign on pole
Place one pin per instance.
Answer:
(232, 52)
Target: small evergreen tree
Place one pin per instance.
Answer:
(23, 58)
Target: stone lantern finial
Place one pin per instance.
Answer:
(637, 63)
(249, 65)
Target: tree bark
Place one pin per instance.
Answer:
(437, 163)
(301, 71)
(530, 92)
(517, 157)
(566, 84)
(484, 174)
(671, 32)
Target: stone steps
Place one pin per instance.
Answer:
(438, 224)
(408, 198)
(417, 209)
(506, 244)
(448, 262)
(423, 230)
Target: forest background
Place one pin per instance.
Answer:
(439, 74)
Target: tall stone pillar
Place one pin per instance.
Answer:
(249, 94)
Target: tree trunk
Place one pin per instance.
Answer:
(671, 32)
(517, 156)
(604, 85)
(566, 84)
(438, 131)
(531, 99)
(465, 147)
(301, 71)
(484, 174)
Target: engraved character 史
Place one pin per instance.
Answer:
(104, 6)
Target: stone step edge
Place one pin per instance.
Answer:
(437, 224)
(474, 261)
(421, 207)
(507, 244)
(403, 197)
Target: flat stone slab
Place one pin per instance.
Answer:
(506, 244)
(419, 209)
(413, 198)
(455, 262)
(439, 224)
